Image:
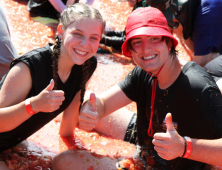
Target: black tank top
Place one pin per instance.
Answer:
(39, 62)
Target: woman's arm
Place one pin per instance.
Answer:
(15, 89)
(70, 117)
(12, 95)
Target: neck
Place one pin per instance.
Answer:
(169, 73)
(64, 68)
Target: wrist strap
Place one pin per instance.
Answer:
(188, 148)
(185, 147)
(28, 107)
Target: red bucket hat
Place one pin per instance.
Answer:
(147, 21)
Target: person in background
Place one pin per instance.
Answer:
(179, 105)
(197, 24)
(50, 8)
(51, 80)
(214, 68)
(115, 39)
(8, 51)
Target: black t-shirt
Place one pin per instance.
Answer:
(194, 101)
(39, 62)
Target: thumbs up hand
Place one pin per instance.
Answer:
(88, 114)
(48, 100)
(169, 145)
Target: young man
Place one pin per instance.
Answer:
(197, 24)
(161, 84)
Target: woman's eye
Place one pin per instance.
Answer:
(77, 34)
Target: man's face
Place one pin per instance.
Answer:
(150, 52)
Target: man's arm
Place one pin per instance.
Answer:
(171, 145)
(207, 151)
(108, 102)
(188, 45)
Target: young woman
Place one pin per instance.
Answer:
(51, 80)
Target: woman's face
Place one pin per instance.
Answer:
(80, 40)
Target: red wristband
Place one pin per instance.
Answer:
(28, 107)
(188, 147)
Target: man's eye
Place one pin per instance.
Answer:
(94, 38)
(136, 42)
(155, 39)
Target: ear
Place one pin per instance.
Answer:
(60, 31)
(170, 45)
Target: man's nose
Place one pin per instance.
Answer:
(147, 46)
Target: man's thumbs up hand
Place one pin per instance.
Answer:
(169, 123)
(169, 145)
(88, 114)
(92, 100)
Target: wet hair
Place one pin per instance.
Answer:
(173, 51)
(71, 14)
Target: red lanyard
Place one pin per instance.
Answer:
(150, 129)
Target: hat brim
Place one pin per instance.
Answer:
(146, 31)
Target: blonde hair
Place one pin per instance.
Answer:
(79, 11)
(71, 14)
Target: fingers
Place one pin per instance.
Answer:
(86, 126)
(161, 136)
(49, 100)
(55, 95)
(93, 101)
(88, 115)
(87, 123)
(161, 143)
(169, 123)
(54, 101)
(168, 145)
(51, 85)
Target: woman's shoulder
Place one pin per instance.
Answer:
(38, 55)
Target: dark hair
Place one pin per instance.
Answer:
(173, 51)
(68, 16)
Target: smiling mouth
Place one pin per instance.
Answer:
(150, 57)
(80, 52)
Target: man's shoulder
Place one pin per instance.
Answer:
(192, 69)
